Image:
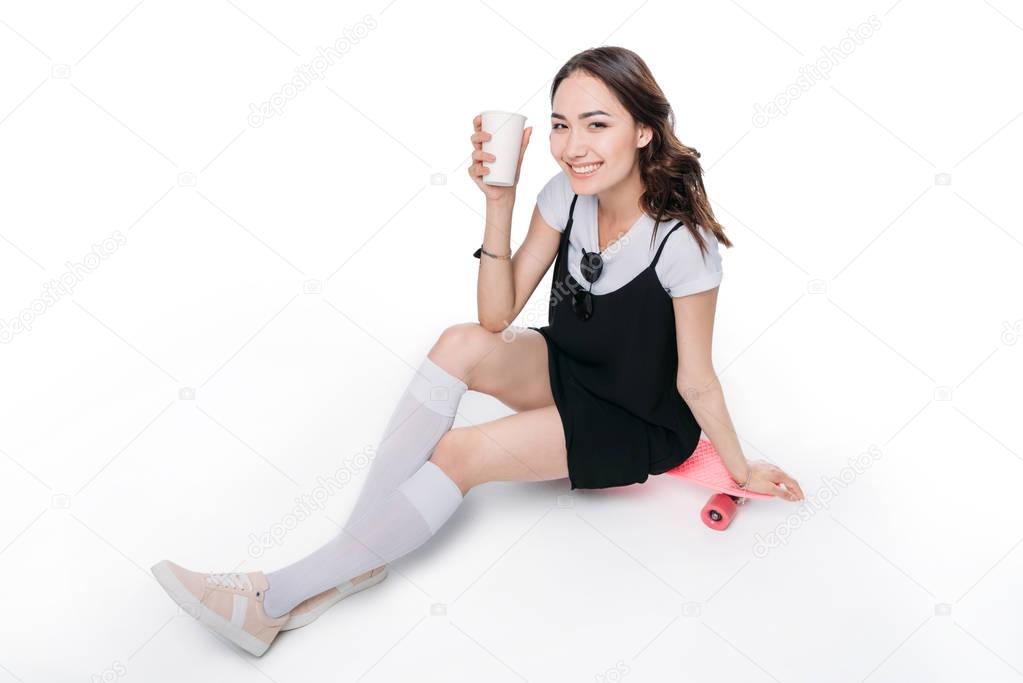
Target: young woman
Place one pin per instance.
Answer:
(616, 387)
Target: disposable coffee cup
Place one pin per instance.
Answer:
(505, 143)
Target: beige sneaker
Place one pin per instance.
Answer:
(309, 610)
(229, 604)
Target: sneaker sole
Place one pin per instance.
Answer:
(207, 617)
(300, 620)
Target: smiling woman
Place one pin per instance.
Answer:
(600, 392)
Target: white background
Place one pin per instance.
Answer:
(870, 305)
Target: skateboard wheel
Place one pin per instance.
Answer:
(719, 511)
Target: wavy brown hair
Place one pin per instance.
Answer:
(670, 171)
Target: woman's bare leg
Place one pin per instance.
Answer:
(510, 365)
(526, 446)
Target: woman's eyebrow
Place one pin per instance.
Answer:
(556, 115)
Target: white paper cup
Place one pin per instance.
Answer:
(505, 144)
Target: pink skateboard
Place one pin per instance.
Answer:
(705, 468)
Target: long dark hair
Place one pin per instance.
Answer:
(670, 171)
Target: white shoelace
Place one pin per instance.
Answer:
(230, 580)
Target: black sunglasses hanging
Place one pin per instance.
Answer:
(591, 266)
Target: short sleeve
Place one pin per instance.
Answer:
(554, 200)
(684, 269)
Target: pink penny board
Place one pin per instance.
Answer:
(705, 468)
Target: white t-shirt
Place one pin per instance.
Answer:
(682, 269)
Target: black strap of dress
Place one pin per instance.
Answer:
(561, 269)
(658, 254)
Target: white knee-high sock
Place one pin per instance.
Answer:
(425, 412)
(400, 522)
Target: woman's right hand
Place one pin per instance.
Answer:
(477, 170)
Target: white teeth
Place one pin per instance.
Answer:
(586, 169)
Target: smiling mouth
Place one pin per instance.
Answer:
(585, 170)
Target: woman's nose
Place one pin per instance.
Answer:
(575, 147)
(575, 151)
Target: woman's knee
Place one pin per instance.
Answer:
(459, 346)
(455, 453)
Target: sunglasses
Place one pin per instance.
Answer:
(591, 267)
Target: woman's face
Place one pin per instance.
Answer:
(591, 131)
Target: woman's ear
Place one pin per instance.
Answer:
(644, 136)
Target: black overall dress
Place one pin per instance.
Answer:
(614, 378)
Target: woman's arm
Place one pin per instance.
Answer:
(699, 386)
(504, 285)
(698, 383)
(495, 284)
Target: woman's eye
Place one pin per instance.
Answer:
(595, 123)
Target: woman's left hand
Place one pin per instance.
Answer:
(767, 478)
